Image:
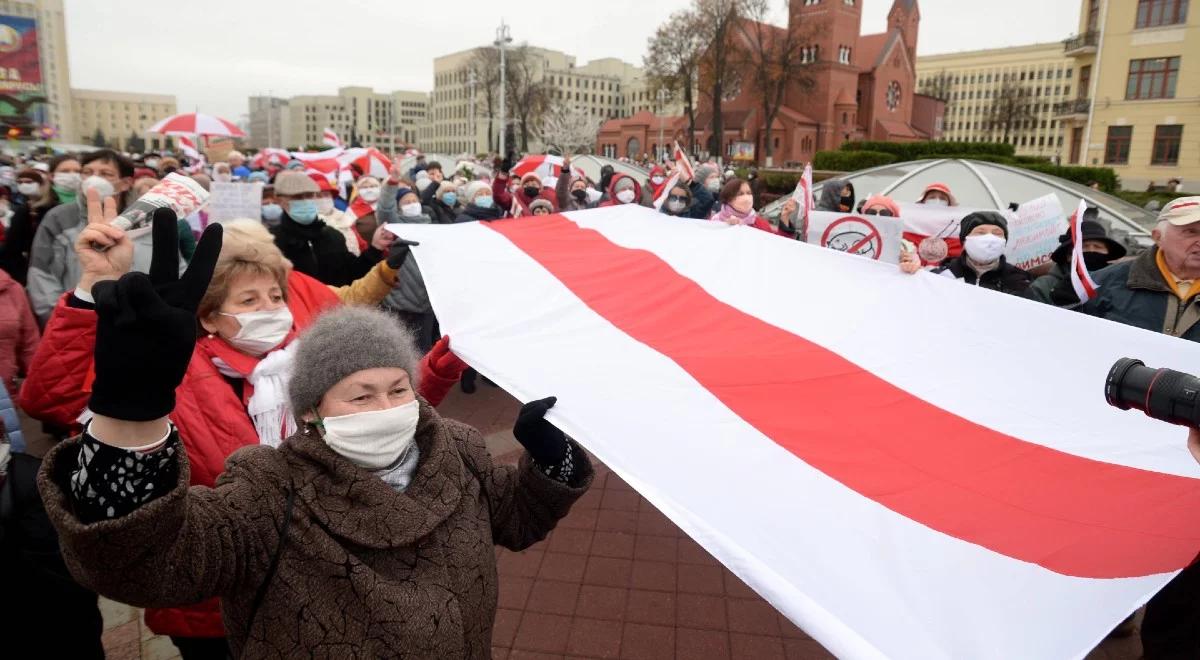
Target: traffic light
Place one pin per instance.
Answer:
(14, 133)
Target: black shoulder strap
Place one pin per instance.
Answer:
(266, 583)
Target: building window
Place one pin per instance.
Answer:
(1166, 144)
(1116, 147)
(1153, 13)
(1152, 78)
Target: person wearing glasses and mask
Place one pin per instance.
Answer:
(231, 390)
(679, 201)
(313, 247)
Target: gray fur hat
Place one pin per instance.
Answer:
(345, 340)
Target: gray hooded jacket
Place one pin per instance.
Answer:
(409, 294)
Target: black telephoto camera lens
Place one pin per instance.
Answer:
(1164, 394)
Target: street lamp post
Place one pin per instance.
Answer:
(662, 95)
(503, 38)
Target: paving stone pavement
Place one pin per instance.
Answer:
(616, 579)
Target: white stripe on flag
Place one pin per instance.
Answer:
(1085, 287)
(863, 580)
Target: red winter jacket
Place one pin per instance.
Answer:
(211, 418)
(18, 332)
(656, 190)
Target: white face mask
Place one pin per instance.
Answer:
(324, 205)
(713, 185)
(67, 180)
(657, 180)
(410, 210)
(985, 249)
(625, 196)
(28, 189)
(593, 195)
(261, 331)
(936, 201)
(373, 440)
(102, 186)
(676, 207)
(369, 194)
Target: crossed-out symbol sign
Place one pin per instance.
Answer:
(854, 235)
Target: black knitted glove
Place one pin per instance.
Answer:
(546, 444)
(146, 326)
(399, 252)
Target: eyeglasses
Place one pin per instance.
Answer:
(676, 198)
(883, 212)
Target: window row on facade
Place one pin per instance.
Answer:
(1164, 149)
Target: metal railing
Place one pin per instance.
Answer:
(1073, 107)
(1085, 40)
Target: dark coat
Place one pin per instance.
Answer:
(1005, 279)
(471, 213)
(1135, 293)
(704, 203)
(319, 251)
(1046, 288)
(367, 572)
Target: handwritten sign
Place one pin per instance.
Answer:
(1033, 232)
(233, 201)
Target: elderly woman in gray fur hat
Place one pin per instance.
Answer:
(369, 533)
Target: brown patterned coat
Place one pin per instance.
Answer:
(367, 572)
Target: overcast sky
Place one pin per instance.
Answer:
(213, 54)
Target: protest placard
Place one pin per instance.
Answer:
(231, 201)
(1034, 230)
(873, 236)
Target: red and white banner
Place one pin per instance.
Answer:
(683, 165)
(888, 459)
(666, 190)
(331, 139)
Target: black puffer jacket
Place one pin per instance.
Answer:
(471, 213)
(1006, 278)
(319, 251)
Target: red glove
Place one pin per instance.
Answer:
(444, 363)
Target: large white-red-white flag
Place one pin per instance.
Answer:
(330, 138)
(898, 463)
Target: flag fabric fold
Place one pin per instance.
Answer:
(840, 451)
(1085, 287)
(331, 138)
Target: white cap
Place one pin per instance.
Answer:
(1181, 211)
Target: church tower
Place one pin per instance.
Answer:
(905, 16)
(833, 25)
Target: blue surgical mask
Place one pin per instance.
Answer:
(450, 199)
(303, 211)
(484, 202)
(272, 212)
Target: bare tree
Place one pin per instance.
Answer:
(672, 62)
(715, 26)
(485, 64)
(527, 90)
(1011, 107)
(771, 58)
(570, 129)
(939, 86)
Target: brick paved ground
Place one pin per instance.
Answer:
(617, 579)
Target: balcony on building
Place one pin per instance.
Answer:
(1073, 110)
(1082, 45)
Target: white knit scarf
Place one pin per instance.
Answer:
(269, 407)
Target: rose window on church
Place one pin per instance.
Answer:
(893, 95)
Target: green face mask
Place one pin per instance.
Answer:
(66, 195)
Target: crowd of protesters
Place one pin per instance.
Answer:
(244, 333)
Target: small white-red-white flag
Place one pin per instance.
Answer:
(1085, 287)
(682, 164)
(666, 189)
(803, 195)
(188, 147)
(332, 138)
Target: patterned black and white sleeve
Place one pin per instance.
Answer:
(567, 471)
(109, 482)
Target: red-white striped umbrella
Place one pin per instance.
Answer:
(196, 123)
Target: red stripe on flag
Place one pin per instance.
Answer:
(1071, 515)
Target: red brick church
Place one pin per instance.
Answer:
(864, 90)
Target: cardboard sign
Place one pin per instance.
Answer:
(872, 236)
(234, 201)
(1033, 233)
